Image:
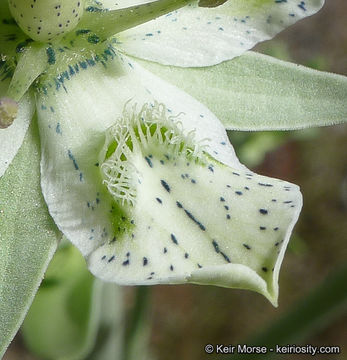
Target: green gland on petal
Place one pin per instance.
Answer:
(181, 216)
(8, 112)
(131, 143)
(45, 20)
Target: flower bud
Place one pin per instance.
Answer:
(45, 20)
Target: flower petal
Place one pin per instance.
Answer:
(186, 217)
(73, 119)
(195, 36)
(12, 137)
(73, 116)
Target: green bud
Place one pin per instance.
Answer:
(45, 20)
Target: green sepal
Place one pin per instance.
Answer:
(32, 62)
(28, 237)
(258, 92)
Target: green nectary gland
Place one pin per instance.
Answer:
(133, 137)
(46, 20)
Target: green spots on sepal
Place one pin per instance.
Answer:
(185, 216)
(8, 112)
(45, 20)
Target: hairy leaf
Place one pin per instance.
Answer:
(257, 92)
(28, 237)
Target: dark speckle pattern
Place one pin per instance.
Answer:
(223, 217)
(165, 185)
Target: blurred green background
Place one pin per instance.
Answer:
(185, 318)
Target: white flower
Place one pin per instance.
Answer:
(149, 191)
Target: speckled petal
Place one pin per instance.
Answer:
(194, 219)
(185, 217)
(196, 36)
(198, 216)
(73, 116)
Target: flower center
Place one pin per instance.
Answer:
(45, 20)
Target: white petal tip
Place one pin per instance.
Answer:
(236, 276)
